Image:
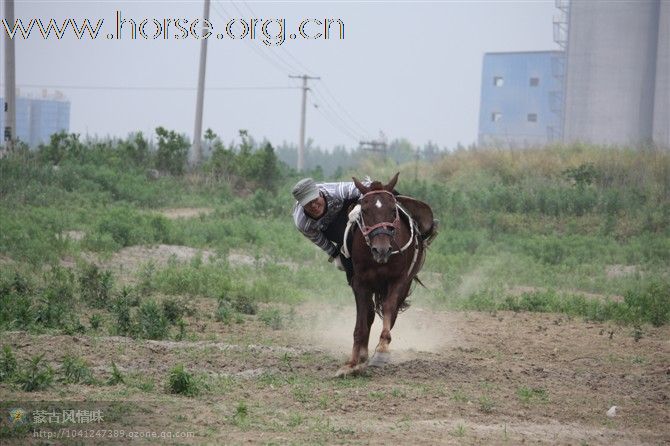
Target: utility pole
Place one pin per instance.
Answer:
(9, 109)
(197, 131)
(301, 147)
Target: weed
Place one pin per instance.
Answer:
(241, 414)
(637, 332)
(36, 375)
(224, 312)
(272, 317)
(295, 419)
(95, 320)
(7, 364)
(182, 382)
(181, 335)
(151, 323)
(485, 404)
(302, 395)
(174, 309)
(530, 394)
(397, 393)
(116, 377)
(95, 286)
(459, 431)
(121, 310)
(459, 396)
(74, 370)
(242, 303)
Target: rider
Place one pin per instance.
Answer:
(320, 214)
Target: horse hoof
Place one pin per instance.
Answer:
(379, 359)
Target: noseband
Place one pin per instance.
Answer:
(385, 227)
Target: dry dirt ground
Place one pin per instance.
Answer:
(455, 378)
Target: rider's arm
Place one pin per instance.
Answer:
(302, 222)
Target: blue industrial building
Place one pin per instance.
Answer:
(521, 98)
(39, 118)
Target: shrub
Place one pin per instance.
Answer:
(96, 286)
(121, 310)
(152, 323)
(117, 377)
(172, 153)
(272, 318)
(35, 376)
(74, 370)
(7, 364)
(174, 309)
(182, 382)
(651, 304)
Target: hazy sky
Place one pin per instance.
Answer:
(409, 69)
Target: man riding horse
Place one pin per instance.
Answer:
(389, 235)
(321, 214)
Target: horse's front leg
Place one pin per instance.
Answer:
(364, 318)
(390, 311)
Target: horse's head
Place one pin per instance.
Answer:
(379, 217)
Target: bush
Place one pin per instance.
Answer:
(121, 310)
(96, 286)
(172, 153)
(117, 377)
(35, 376)
(7, 364)
(152, 323)
(272, 318)
(74, 370)
(174, 309)
(651, 304)
(181, 382)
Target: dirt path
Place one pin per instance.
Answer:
(455, 378)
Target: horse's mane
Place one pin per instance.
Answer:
(376, 185)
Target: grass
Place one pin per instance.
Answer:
(554, 220)
(182, 382)
(528, 395)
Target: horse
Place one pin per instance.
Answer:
(387, 253)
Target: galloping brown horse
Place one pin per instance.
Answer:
(387, 253)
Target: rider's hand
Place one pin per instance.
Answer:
(338, 263)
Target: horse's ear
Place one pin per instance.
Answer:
(389, 187)
(361, 187)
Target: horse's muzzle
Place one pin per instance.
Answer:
(381, 255)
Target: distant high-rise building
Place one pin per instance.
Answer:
(39, 118)
(521, 98)
(617, 88)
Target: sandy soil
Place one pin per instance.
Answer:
(455, 378)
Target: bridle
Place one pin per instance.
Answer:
(385, 227)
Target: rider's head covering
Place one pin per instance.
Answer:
(305, 191)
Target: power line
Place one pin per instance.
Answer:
(335, 114)
(285, 69)
(288, 53)
(153, 88)
(351, 118)
(333, 124)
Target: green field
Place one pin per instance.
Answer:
(89, 246)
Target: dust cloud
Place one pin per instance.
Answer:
(417, 330)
